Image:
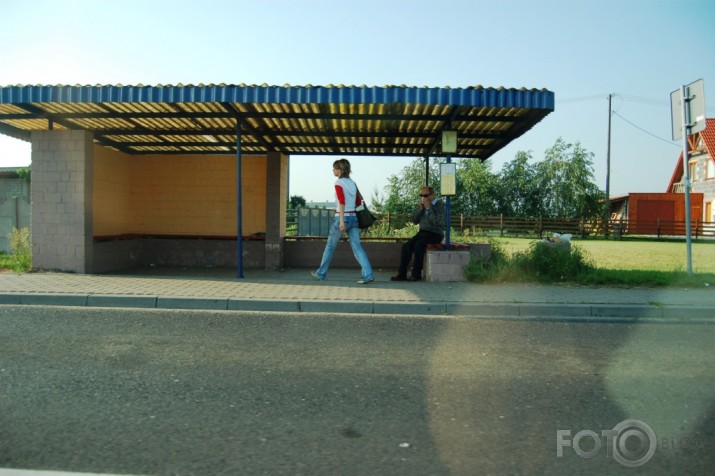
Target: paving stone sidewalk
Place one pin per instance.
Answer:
(296, 291)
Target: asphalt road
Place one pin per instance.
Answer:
(151, 392)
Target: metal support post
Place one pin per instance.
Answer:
(239, 206)
(686, 173)
(448, 218)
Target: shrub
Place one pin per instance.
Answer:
(496, 268)
(20, 244)
(553, 263)
(382, 229)
(539, 262)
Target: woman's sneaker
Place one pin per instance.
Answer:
(366, 281)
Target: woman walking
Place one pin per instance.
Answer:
(347, 199)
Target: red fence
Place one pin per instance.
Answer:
(659, 228)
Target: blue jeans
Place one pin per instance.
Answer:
(353, 230)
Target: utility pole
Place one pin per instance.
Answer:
(607, 213)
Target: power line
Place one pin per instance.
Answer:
(644, 100)
(582, 98)
(652, 101)
(623, 97)
(643, 130)
(626, 98)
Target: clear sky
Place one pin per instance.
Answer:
(582, 50)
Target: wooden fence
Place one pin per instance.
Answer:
(516, 226)
(540, 226)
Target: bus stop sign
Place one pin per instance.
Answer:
(695, 110)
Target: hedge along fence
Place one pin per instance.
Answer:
(521, 225)
(505, 225)
(539, 226)
(316, 222)
(529, 226)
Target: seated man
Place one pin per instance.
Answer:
(430, 216)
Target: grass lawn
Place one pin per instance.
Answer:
(636, 255)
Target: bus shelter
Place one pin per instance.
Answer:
(124, 176)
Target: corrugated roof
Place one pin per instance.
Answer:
(294, 120)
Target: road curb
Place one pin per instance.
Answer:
(562, 312)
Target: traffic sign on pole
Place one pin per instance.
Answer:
(695, 97)
(687, 110)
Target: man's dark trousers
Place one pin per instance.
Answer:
(416, 245)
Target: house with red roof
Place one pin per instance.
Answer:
(663, 213)
(701, 165)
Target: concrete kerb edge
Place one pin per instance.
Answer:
(10, 298)
(118, 300)
(626, 313)
(421, 308)
(47, 299)
(241, 304)
(688, 312)
(189, 302)
(626, 310)
(549, 310)
(361, 307)
(562, 312)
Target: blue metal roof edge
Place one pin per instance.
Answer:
(472, 96)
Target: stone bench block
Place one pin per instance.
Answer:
(446, 265)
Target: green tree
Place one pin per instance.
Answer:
(377, 200)
(403, 189)
(560, 186)
(565, 181)
(296, 201)
(518, 192)
(24, 174)
(477, 188)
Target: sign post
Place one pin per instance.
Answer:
(448, 188)
(687, 109)
(448, 179)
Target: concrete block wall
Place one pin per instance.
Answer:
(446, 265)
(14, 187)
(199, 253)
(113, 255)
(308, 253)
(62, 186)
(14, 213)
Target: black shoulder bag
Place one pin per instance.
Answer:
(364, 216)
